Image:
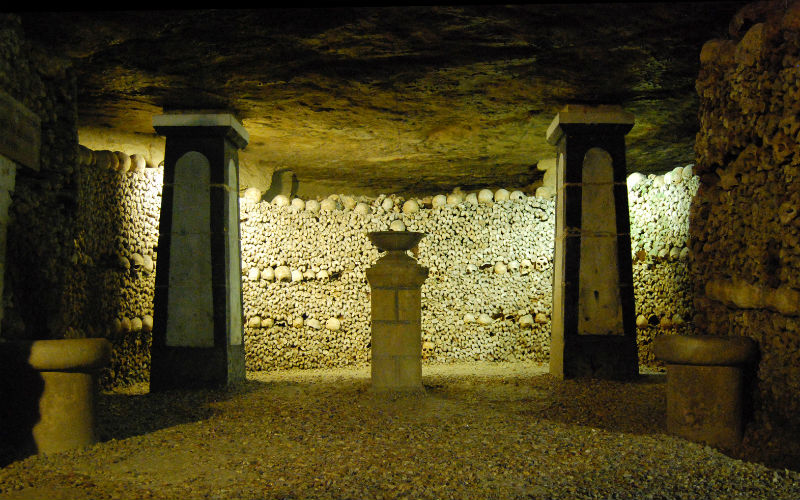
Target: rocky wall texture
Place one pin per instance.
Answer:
(82, 230)
(42, 213)
(745, 233)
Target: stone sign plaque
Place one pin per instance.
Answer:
(20, 132)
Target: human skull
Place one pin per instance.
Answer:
(137, 262)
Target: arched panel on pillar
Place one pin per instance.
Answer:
(234, 258)
(190, 322)
(598, 294)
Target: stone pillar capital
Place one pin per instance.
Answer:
(582, 115)
(177, 124)
(396, 271)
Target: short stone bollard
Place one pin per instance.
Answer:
(395, 281)
(705, 386)
(53, 388)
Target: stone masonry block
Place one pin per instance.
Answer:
(384, 304)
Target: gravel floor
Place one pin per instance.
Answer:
(480, 430)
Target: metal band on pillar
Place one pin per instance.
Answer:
(593, 326)
(197, 322)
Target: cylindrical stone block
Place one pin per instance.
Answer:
(67, 412)
(54, 400)
(705, 386)
(704, 403)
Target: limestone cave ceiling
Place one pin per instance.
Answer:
(395, 99)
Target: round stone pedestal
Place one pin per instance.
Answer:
(54, 385)
(705, 386)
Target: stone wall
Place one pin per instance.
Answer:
(306, 298)
(83, 242)
(8, 172)
(659, 212)
(745, 233)
(111, 289)
(41, 218)
(72, 224)
(489, 277)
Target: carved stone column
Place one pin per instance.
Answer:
(395, 282)
(593, 325)
(197, 322)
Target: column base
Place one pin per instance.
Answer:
(609, 357)
(706, 386)
(196, 367)
(49, 389)
(704, 404)
(396, 373)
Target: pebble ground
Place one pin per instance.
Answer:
(479, 431)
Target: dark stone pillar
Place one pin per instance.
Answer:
(197, 321)
(593, 325)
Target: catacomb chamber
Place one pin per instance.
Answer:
(305, 293)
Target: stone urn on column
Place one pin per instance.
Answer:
(395, 281)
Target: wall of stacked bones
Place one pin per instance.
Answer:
(43, 203)
(745, 229)
(306, 299)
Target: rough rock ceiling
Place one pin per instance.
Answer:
(405, 100)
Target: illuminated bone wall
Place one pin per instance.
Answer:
(488, 294)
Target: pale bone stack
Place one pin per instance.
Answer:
(659, 209)
(306, 300)
(745, 232)
(115, 251)
(488, 295)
